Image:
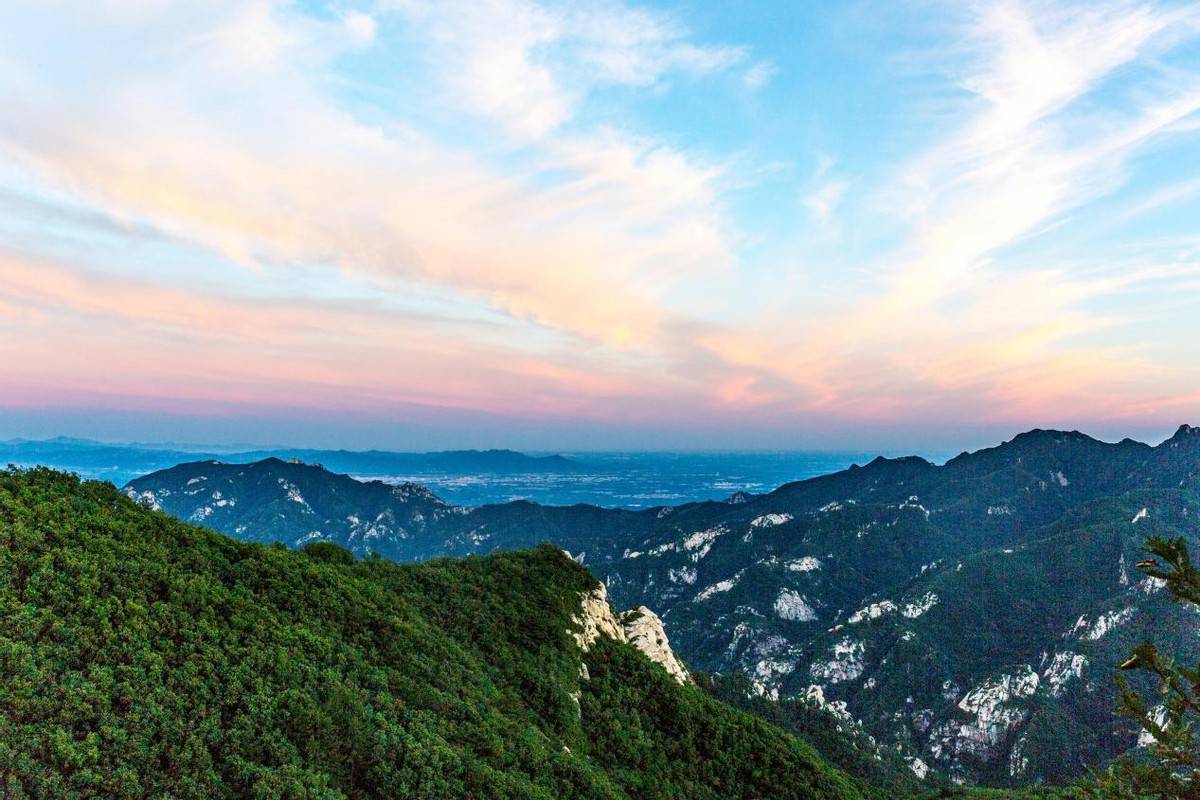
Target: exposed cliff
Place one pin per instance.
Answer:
(644, 630)
(639, 627)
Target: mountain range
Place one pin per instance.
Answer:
(142, 657)
(970, 614)
(121, 462)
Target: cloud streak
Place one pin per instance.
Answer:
(264, 168)
(957, 313)
(531, 65)
(512, 156)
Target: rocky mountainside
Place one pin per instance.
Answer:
(639, 627)
(969, 613)
(274, 500)
(142, 657)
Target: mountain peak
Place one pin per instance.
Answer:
(294, 502)
(299, 464)
(904, 463)
(1185, 435)
(1050, 435)
(913, 460)
(1186, 431)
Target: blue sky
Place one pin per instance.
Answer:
(599, 224)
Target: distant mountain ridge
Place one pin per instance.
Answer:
(383, 462)
(122, 462)
(969, 613)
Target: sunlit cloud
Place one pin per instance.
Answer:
(531, 65)
(953, 314)
(265, 168)
(605, 199)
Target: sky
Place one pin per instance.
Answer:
(418, 224)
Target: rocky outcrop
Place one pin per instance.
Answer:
(596, 619)
(846, 663)
(997, 710)
(644, 630)
(641, 628)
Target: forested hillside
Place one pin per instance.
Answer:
(972, 613)
(143, 657)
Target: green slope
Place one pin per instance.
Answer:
(997, 564)
(141, 657)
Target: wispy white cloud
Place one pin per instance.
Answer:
(825, 190)
(1161, 198)
(759, 75)
(530, 65)
(610, 250)
(261, 162)
(823, 199)
(957, 316)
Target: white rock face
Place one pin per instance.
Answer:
(1063, 668)
(685, 575)
(919, 767)
(700, 542)
(791, 605)
(1149, 586)
(984, 699)
(885, 607)
(767, 672)
(916, 609)
(770, 520)
(718, 587)
(815, 695)
(873, 611)
(146, 498)
(845, 664)
(644, 630)
(596, 619)
(805, 564)
(767, 659)
(995, 714)
(1105, 623)
(294, 495)
(641, 628)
